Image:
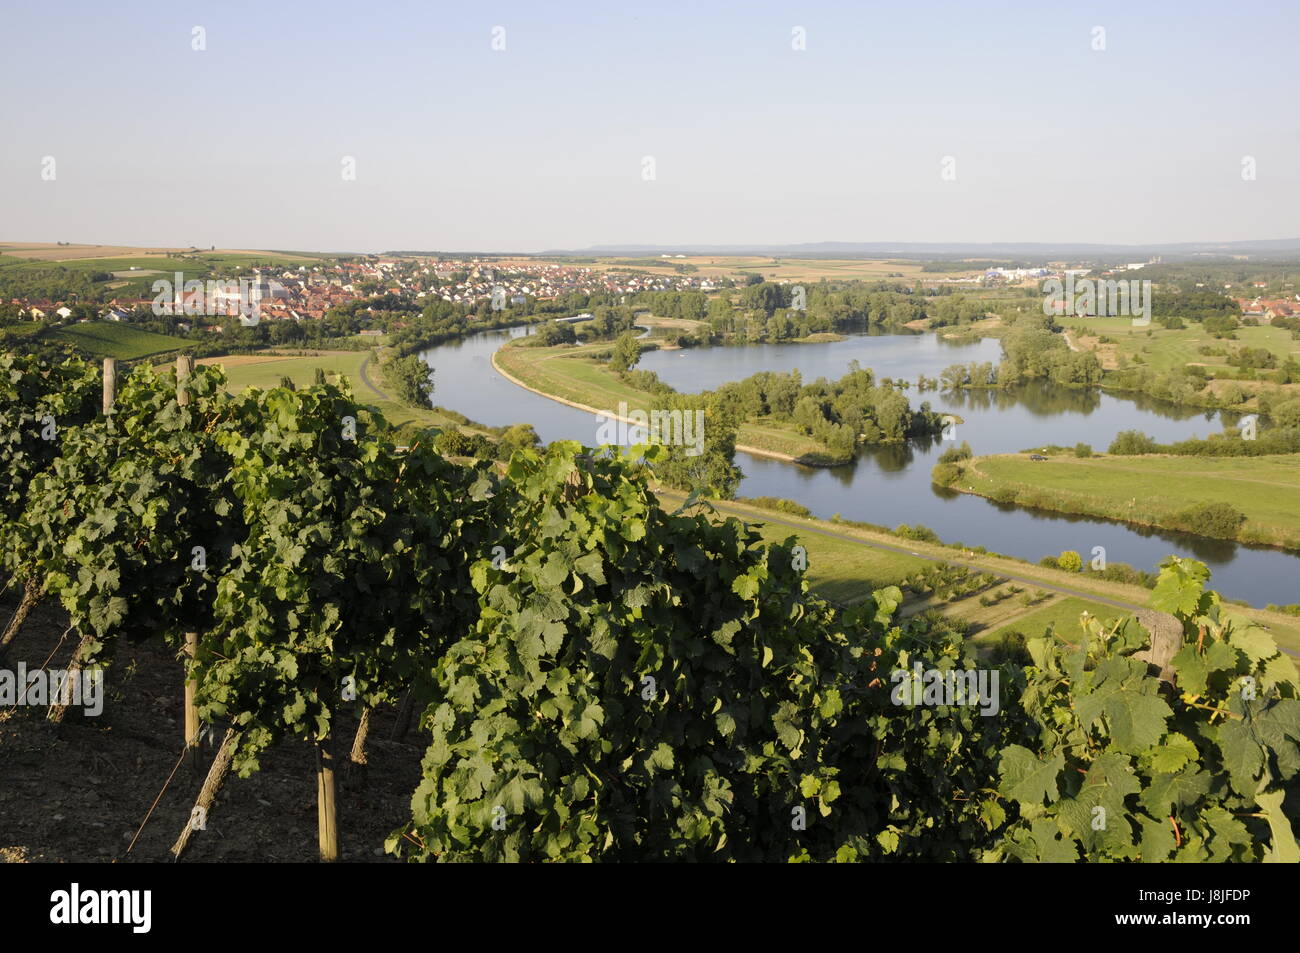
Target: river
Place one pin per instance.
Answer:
(891, 485)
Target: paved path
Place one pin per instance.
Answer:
(365, 378)
(872, 544)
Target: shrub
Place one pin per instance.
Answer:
(918, 532)
(453, 443)
(1220, 520)
(946, 474)
(956, 454)
(552, 333)
(1069, 560)
(776, 503)
(1287, 413)
(1123, 572)
(1132, 443)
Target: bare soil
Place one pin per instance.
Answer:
(79, 792)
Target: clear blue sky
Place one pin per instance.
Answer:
(458, 146)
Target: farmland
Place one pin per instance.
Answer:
(107, 339)
(121, 257)
(774, 269)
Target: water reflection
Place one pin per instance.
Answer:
(889, 485)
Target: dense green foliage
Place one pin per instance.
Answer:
(39, 403)
(410, 379)
(1031, 352)
(349, 574)
(771, 312)
(602, 679)
(842, 414)
(552, 333)
(776, 503)
(115, 522)
(613, 704)
(1124, 767)
(626, 352)
(1220, 520)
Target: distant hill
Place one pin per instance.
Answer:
(1276, 248)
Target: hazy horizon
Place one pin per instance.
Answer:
(541, 145)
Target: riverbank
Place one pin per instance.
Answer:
(1152, 490)
(845, 563)
(564, 376)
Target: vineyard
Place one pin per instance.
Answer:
(594, 676)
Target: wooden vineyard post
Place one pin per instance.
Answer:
(59, 706)
(110, 384)
(198, 818)
(356, 766)
(184, 366)
(326, 814)
(191, 709)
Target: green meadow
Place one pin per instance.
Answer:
(1150, 489)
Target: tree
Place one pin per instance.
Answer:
(1070, 561)
(703, 460)
(1221, 326)
(553, 333)
(519, 437)
(627, 351)
(410, 378)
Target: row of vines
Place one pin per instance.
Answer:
(599, 678)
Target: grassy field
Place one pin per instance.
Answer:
(107, 339)
(1060, 612)
(1163, 349)
(265, 371)
(160, 263)
(570, 374)
(1150, 489)
(845, 572)
(846, 562)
